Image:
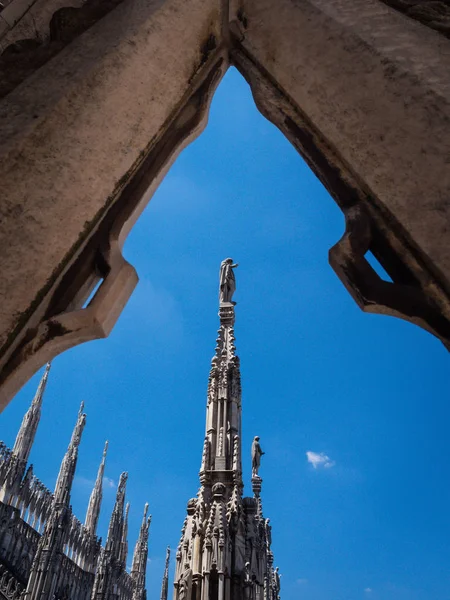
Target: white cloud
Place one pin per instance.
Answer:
(302, 581)
(368, 590)
(319, 460)
(108, 482)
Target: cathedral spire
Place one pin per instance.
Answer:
(111, 563)
(46, 566)
(139, 565)
(14, 469)
(69, 462)
(95, 501)
(116, 523)
(27, 432)
(225, 546)
(165, 581)
(221, 451)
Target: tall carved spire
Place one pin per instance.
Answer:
(27, 432)
(165, 580)
(13, 471)
(116, 524)
(140, 555)
(46, 566)
(221, 451)
(109, 577)
(95, 501)
(225, 546)
(69, 463)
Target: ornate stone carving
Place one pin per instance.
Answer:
(44, 548)
(222, 530)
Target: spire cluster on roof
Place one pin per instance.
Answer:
(64, 553)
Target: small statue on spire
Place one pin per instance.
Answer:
(256, 456)
(227, 285)
(276, 584)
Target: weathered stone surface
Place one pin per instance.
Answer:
(433, 13)
(78, 130)
(42, 32)
(377, 87)
(367, 103)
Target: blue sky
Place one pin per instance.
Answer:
(366, 395)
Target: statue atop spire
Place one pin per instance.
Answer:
(225, 546)
(227, 281)
(95, 501)
(224, 389)
(256, 456)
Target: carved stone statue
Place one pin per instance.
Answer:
(182, 590)
(256, 456)
(248, 585)
(268, 528)
(184, 586)
(276, 583)
(227, 284)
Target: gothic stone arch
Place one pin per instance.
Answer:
(361, 90)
